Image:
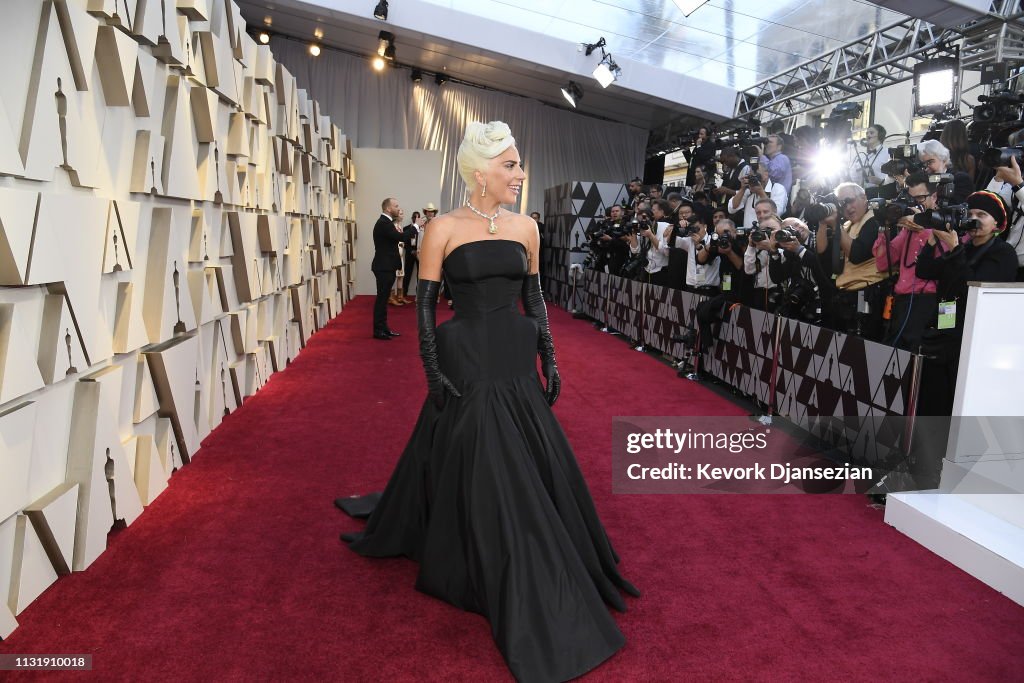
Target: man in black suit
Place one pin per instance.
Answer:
(386, 262)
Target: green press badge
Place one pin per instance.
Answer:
(727, 282)
(947, 315)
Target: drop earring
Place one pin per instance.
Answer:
(483, 192)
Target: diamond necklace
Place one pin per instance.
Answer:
(494, 228)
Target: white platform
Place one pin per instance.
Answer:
(982, 543)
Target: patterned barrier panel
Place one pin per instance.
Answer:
(569, 210)
(625, 306)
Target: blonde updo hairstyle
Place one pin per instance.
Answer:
(482, 142)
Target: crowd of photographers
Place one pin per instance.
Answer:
(879, 242)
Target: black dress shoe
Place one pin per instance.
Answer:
(382, 335)
(392, 333)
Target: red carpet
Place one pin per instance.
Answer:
(236, 571)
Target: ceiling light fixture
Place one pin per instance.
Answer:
(318, 33)
(441, 79)
(381, 10)
(417, 75)
(572, 93)
(607, 72)
(378, 63)
(389, 52)
(384, 39)
(688, 7)
(264, 37)
(314, 49)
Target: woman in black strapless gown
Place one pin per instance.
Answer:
(487, 495)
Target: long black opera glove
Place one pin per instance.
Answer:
(437, 384)
(533, 305)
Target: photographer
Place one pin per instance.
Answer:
(701, 268)
(730, 158)
(977, 256)
(866, 169)
(756, 186)
(935, 157)
(857, 305)
(779, 168)
(760, 250)
(1009, 177)
(798, 272)
(655, 247)
(608, 242)
(914, 303)
(702, 154)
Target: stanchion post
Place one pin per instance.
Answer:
(776, 349)
(911, 407)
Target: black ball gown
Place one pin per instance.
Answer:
(487, 495)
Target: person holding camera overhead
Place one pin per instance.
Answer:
(979, 255)
(755, 186)
(702, 155)
(1008, 177)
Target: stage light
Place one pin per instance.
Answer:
(389, 52)
(314, 49)
(935, 85)
(381, 10)
(384, 39)
(378, 63)
(318, 33)
(688, 7)
(846, 111)
(607, 72)
(572, 93)
(441, 79)
(417, 75)
(264, 37)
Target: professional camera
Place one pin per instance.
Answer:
(890, 211)
(902, 159)
(799, 299)
(635, 265)
(954, 215)
(721, 242)
(757, 234)
(823, 206)
(740, 137)
(1003, 106)
(994, 157)
(786, 235)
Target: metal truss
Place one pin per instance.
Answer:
(997, 37)
(882, 59)
(858, 67)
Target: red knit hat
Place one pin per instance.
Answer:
(992, 204)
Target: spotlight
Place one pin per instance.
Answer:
(846, 111)
(314, 49)
(384, 39)
(688, 7)
(935, 85)
(381, 10)
(378, 63)
(389, 52)
(318, 33)
(572, 93)
(607, 72)
(264, 37)
(417, 75)
(441, 79)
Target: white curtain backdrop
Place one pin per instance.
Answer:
(387, 110)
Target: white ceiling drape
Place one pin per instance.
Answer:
(387, 110)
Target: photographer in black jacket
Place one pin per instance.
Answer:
(977, 256)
